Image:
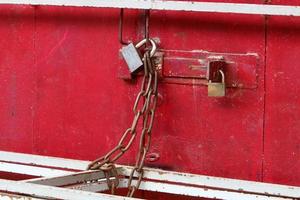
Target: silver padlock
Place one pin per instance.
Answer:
(217, 89)
(132, 57)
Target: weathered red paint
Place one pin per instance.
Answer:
(61, 94)
(282, 139)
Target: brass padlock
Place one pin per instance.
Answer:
(217, 89)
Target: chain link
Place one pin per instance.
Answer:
(143, 109)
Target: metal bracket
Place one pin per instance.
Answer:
(121, 26)
(121, 22)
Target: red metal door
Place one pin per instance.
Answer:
(16, 76)
(200, 134)
(62, 96)
(282, 114)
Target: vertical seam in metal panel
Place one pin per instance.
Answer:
(34, 103)
(264, 95)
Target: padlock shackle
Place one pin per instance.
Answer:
(217, 89)
(223, 75)
(154, 47)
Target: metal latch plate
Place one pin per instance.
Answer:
(190, 67)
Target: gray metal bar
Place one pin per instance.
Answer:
(49, 192)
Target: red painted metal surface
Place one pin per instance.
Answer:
(61, 94)
(282, 139)
(207, 135)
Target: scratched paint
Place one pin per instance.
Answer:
(61, 94)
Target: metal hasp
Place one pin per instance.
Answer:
(61, 178)
(216, 71)
(238, 8)
(196, 67)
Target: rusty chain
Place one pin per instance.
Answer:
(144, 108)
